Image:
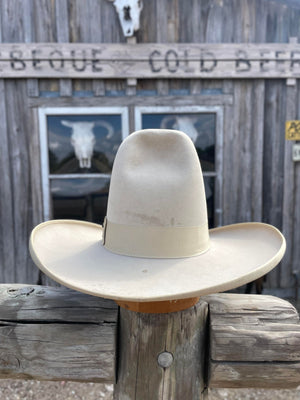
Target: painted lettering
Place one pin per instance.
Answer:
(96, 61)
(171, 60)
(263, 62)
(16, 62)
(208, 61)
(78, 60)
(242, 64)
(56, 63)
(154, 53)
(35, 60)
(295, 59)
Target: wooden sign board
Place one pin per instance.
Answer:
(296, 152)
(149, 60)
(292, 130)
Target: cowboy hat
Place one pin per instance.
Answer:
(155, 244)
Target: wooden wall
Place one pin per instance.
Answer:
(260, 181)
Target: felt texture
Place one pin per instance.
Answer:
(156, 245)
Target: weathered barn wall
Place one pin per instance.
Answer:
(260, 180)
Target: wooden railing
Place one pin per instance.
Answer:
(225, 341)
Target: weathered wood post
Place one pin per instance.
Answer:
(162, 356)
(224, 341)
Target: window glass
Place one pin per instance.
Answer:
(83, 143)
(80, 198)
(209, 184)
(200, 127)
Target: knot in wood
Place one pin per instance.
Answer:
(165, 359)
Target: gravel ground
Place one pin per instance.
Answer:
(36, 390)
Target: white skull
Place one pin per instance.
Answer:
(129, 15)
(83, 141)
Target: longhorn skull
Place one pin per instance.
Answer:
(129, 15)
(83, 141)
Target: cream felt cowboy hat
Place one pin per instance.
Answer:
(155, 244)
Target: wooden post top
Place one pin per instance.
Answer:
(159, 307)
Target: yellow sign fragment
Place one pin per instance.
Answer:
(292, 130)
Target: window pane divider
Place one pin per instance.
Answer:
(213, 174)
(78, 176)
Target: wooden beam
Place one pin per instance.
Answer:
(52, 333)
(150, 60)
(254, 342)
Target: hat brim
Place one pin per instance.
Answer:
(71, 253)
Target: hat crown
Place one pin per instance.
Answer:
(157, 181)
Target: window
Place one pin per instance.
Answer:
(78, 147)
(204, 126)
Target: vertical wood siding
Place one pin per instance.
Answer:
(260, 180)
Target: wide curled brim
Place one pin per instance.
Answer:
(71, 253)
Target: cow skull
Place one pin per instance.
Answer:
(129, 15)
(83, 141)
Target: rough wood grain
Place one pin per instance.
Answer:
(143, 337)
(59, 334)
(208, 100)
(273, 161)
(7, 243)
(254, 342)
(61, 9)
(288, 204)
(56, 334)
(159, 60)
(247, 375)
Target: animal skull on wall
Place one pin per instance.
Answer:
(129, 15)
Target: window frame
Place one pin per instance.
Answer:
(196, 109)
(43, 113)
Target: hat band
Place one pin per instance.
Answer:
(155, 241)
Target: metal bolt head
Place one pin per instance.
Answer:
(165, 359)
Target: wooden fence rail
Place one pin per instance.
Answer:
(226, 340)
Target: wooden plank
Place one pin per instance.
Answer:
(7, 242)
(111, 32)
(62, 27)
(254, 342)
(33, 87)
(51, 304)
(250, 310)
(69, 336)
(255, 375)
(162, 85)
(214, 29)
(257, 148)
(274, 118)
(178, 337)
(32, 84)
(209, 100)
(98, 87)
(237, 142)
(289, 205)
(296, 233)
(13, 29)
(19, 135)
(161, 60)
(228, 164)
(77, 352)
(261, 13)
(272, 342)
